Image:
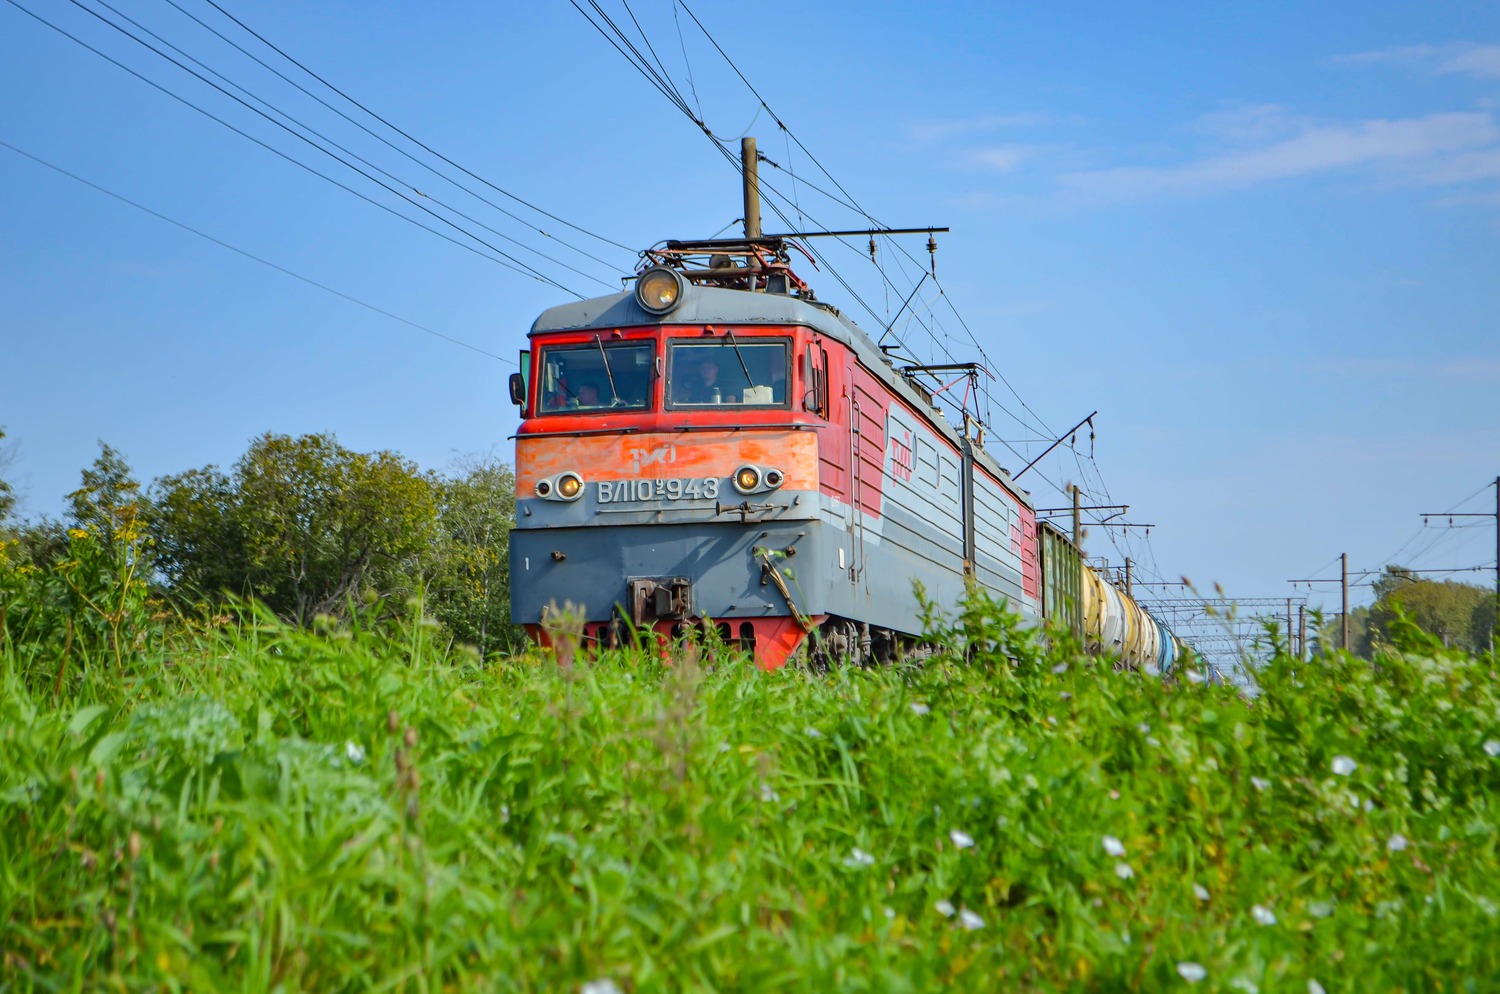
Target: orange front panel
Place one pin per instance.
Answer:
(681, 454)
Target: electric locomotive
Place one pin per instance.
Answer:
(716, 446)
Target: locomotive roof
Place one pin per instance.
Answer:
(711, 305)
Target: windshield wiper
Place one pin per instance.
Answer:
(729, 334)
(614, 394)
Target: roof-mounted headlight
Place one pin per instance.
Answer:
(659, 290)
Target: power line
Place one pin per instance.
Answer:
(249, 255)
(515, 265)
(424, 147)
(330, 141)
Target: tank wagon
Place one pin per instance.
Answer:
(717, 446)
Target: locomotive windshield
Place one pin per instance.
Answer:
(595, 377)
(729, 371)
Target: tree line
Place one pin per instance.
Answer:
(1460, 615)
(301, 525)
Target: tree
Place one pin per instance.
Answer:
(7, 493)
(109, 500)
(302, 524)
(1445, 609)
(469, 583)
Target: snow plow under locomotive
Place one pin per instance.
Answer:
(719, 447)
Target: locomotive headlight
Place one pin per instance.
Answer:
(569, 486)
(747, 479)
(659, 290)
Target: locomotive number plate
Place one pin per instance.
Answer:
(692, 488)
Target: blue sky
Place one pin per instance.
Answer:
(1263, 242)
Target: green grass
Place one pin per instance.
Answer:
(256, 808)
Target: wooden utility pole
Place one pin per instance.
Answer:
(1290, 639)
(1127, 576)
(1302, 633)
(750, 164)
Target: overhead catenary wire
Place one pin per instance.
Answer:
(253, 257)
(415, 141)
(334, 144)
(512, 264)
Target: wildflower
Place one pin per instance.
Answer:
(1313, 987)
(1320, 909)
(605, 986)
(354, 753)
(1244, 984)
(961, 839)
(858, 857)
(1123, 871)
(1397, 843)
(1492, 747)
(970, 920)
(1191, 972)
(888, 912)
(813, 733)
(1113, 846)
(945, 908)
(1060, 668)
(1200, 892)
(1259, 784)
(917, 707)
(1262, 915)
(767, 795)
(1343, 765)
(1143, 728)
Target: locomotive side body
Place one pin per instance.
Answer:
(749, 460)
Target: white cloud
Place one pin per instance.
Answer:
(1315, 150)
(1002, 158)
(1481, 61)
(941, 129)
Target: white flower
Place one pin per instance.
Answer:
(858, 857)
(1143, 728)
(1397, 843)
(1492, 747)
(1123, 871)
(504, 813)
(354, 753)
(888, 912)
(1060, 668)
(605, 986)
(1343, 765)
(961, 839)
(767, 795)
(970, 920)
(813, 733)
(1262, 915)
(1191, 972)
(917, 707)
(1065, 696)
(1259, 784)
(1244, 984)
(945, 908)
(1113, 846)
(1200, 892)
(1313, 987)
(1151, 740)
(1320, 909)
(724, 747)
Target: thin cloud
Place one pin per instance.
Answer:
(1001, 158)
(942, 130)
(1480, 61)
(1315, 150)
